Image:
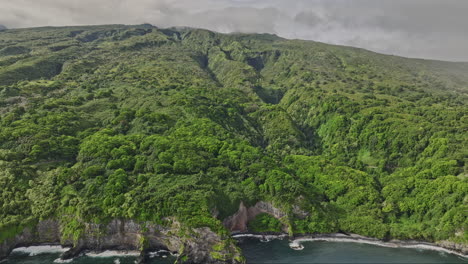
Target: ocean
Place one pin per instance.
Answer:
(274, 252)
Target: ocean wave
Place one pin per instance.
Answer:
(362, 240)
(162, 253)
(113, 253)
(36, 250)
(263, 238)
(59, 260)
(296, 244)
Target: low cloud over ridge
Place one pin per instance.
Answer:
(434, 29)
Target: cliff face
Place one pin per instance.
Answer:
(462, 248)
(199, 245)
(238, 222)
(45, 232)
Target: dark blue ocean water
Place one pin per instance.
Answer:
(279, 252)
(48, 258)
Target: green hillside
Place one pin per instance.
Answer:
(136, 122)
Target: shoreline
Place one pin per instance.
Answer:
(297, 241)
(40, 249)
(36, 250)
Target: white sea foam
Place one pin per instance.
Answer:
(296, 244)
(113, 253)
(59, 260)
(162, 253)
(158, 253)
(36, 250)
(263, 238)
(396, 244)
(117, 261)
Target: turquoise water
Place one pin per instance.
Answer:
(279, 252)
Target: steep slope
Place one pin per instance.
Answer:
(165, 126)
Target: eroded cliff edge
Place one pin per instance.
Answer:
(196, 245)
(199, 245)
(238, 224)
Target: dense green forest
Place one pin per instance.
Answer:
(136, 122)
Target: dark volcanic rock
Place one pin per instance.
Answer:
(462, 248)
(238, 222)
(72, 253)
(46, 232)
(200, 245)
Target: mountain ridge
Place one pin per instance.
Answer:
(239, 33)
(181, 126)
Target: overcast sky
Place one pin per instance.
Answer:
(436, 29)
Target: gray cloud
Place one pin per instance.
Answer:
(433, 29)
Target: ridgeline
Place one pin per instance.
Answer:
(172, 129)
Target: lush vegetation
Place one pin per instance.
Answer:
(148, 124)
(265, 223)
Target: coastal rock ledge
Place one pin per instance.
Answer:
(199, 245)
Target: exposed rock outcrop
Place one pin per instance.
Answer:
(238, 222)
(454, 246)
(45, 232)
(200, 245)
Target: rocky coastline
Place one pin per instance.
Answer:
(238, 222)
(442, 246)
(200, 245)
(125, 236)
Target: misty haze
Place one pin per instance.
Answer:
(233, 131)
(431, 29)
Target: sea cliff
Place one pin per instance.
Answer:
(199, 245)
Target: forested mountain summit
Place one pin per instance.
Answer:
(158, 125)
